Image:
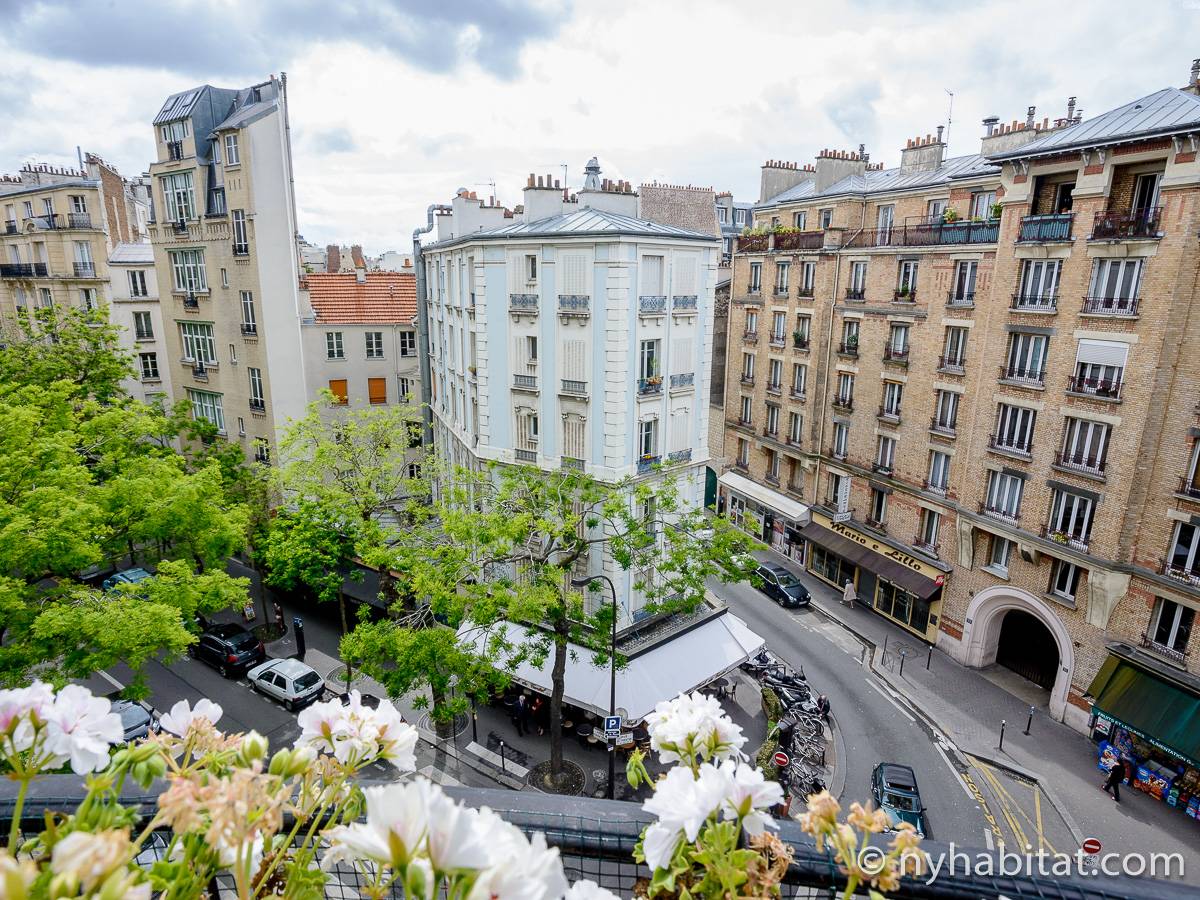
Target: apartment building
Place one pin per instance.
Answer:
(135, 309)
(965, 385)
(734, 217)
(360, 337)
(572, 334)
(226, 256)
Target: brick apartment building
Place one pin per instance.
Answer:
(969, 386)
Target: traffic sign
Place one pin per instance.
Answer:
(1091, 846)
(781, 759)
(612, 727)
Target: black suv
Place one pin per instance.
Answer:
(781, 586)
(228, 649)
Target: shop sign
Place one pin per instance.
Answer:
(837, 526)
(841, 517)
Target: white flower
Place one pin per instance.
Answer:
(692, 724)
(22, 711)
(456, 838)
(659, 844)
(89, 858)
(394, 832)
(749, 796)
(518, 868)
(16, 877)
(81, 728)
(589, 890)
(683, 802)
(357, 734)
(181, 716)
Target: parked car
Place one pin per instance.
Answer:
(126, 576)
(229, 649)
(137, 719)
(782, 586)
(289, 681)
(895, 790)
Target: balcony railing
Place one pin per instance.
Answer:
(904, 295)
(85, 270)
(200, 372)
(1181, 573)
(890, 415)
(571, 386)
(678, 456)
(524, 303)
(1034, 303)
(797, 394)
(949, 429)
(846, 403)
(846, 348)
(800, 240)
(142, 335)
(23, 270)
(778, 340)
(648, 462)
(1066, 538)
(780, 292)
(896, 355)
(652, 305)
(1023, 376)
(648, 386)
(257, 404)
(1080, 462)
(753, 243)
(241, 249)
(953, 364)
(799, 343)
(1055, 227)
(771, 432)
(1138, 223)
(573, 463)
(249, 329)
(1100, 388)
(525, 382)
(79, 220)
(875, 524)
(959, 300)
(1110, 306)
(749, 337)
(1179, 657)
(924, 546)
(174, 150)
(856, 295)
(924, 233)
(805, 293)
(180, 226)
(687, 303)
(1189, 487)
(997, 512)
(933, 488)
(883, 468)
(774, 387)
(525, 455)
(574, 304)
(190, 301)
(747, 379)
(1003, 445)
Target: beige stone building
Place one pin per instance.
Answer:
(226, 255)
(968, 386)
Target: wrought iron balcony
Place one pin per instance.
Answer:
(799, 240)
(956, 365)
(79, 220)
(1078, 542)
(805, 293)
(997, 512)
(1010, 447)
(142, 335)
(648, 386)
(747, 379)
(523, 303)
(1080, 462)
(524, 455)
(904, 295)
(957, 300)
(573, 463)
(174, 150)
(780, 292)
(752, 243)
(946, 429)
(774, 387)
(778, 339)
(85, 270)
(798, 394)
(1181, 573)
(1179, 657)
(1034, 303)
(889, 415)
(574, 305)
(846, 403)
(648, 462)
(678, 456)
(799, 343)
(920, 232)
(525, 382)
(572, 386)
(249, 329)
(257, 404)
(23, 270)
(749, 337)
(652, 305)
(883, 468)
(1126, 307)
(1020, 375)
(896, 355)
(1189, 487)
(1138, 223)
(683, 380)
(848, 348)
(924, 546)
(933, 488)
(857, 295)
(685, 304)
(1055, 227)
(1099, 388)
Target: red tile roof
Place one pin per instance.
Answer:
(385, 298)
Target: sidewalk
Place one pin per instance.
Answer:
(965, 705)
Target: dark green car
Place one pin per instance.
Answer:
(895, 790)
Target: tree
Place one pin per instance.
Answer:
(76, 346)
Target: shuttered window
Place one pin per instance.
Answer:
(652, 276)
(680, 428)
(685, 275)
(681, 356)
(572, 274)
(574, 436)
(337, 386)
(527, 429)
(575, 360)
(377, 390)
(1102, 353)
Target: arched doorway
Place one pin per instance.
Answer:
(1027, 647)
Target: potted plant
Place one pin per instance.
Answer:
(903, 292)
(995, 211)
(798, 339)
(949, 215)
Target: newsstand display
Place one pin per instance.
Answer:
(1151, 769)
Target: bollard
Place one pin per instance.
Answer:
(504, 768)
(885, 640)
(929, 658)
(1029, 722)
(902, 655)
(1002, 724)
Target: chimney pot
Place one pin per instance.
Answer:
(1029, 116)
(1195, 75)
(941, 128)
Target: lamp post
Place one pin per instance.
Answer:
(612, 671)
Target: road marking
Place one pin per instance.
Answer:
(987, 838)
(1007, 805)
(1037, 805)
(957, 777)
(889, 699)
(987, 812)
(110, 680)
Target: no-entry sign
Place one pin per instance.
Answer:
(1091, 845)
(781, 759)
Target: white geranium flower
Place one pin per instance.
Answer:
(22, 711)
(749, 795)
(692, 724)
(659, 844)
(81, 727)
(518, 868)
(683, 802)
(398, 739)
(589, 890)
(395, 829)
(456, 837)
(182, 714)
(357, 734)
(318, 725)
(89, 858)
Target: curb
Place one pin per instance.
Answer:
(477, 764)
(837, 778)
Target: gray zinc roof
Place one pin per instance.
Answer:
(132, 253)
(584, 222)
(882, 181)
(1169, 111)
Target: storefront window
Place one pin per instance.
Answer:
(897, 603)
(830, 566)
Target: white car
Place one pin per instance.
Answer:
(289, 681)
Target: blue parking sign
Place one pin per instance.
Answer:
(612, 727)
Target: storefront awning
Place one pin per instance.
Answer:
(1157, 710)
(785, 506)
(687, 661)
(897, 573)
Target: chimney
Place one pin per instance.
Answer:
(922, 154)
(990, 124)
(1029, 114)
(834, 165)
(778, 177)
(360, 274)
(1070, 109)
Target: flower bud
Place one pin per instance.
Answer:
(141, 752)
(301, 759)
(280, 763)
(254, 746)
(64, 885)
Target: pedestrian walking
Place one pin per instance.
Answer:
(279, 615)
(1115, 776)
(521, 717)
(848, 594)
(535, 712)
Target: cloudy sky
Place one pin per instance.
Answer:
(396, 103)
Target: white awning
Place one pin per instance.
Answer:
(785, 506)
(685, 662)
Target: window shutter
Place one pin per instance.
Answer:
(338, 387)
(679, 428)
(652, 276)
(574, 360)
(572, 274)
(377, 390)
(681, 356)
(685, 275)
(573, 436)
(516, 274)
(1102, 353)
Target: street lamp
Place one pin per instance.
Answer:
(612, 671)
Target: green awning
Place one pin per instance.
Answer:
(1162, 713)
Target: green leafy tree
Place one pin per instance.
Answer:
(76, 346)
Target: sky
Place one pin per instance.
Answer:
(395, 104)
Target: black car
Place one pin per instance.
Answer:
(782, 586)
(228, 649)
(137, 719)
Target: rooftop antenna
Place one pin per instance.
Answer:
(562, 166)
(491, 184)
(949, 119)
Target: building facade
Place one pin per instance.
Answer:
(136, 311)
(572, 335)
(964, 385)
(226, 255)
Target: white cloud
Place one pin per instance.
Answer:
(389, 117)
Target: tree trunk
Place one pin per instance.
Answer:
(444, 730)
(558, 683)
(345, 631)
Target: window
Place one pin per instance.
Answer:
(884, 216)
(208, 407)
(408, 343)
(262, 450)
(954, 349)
(648, 437)
(333, 345)
(46, 298)
(406, 386)
(1191, 483)
(755, 277)
(885, 454)
(1145, 191)
(1039, 282)
(27, 206)
(233, 354)
(178, 197)
(826, 216)
(775, 375)
(841, 439)
(778, 327)
(808, 273)
(232, 156)
(1184, 560)
(377, 390)
(187, 267)
(839, 491)
(774, 222)
(743, 454)
(935, 210)
(898, 341)
(652, 276)
(574, 436)
(1171, 624)
(1085, 445)
(249, 322)
(531, 350)
(799, 379)
(337, 387)
(751, 322)
(648, 359)
(748, 360)
(241, 242)
(87, 298)
(1070, 518)
(149, 365)
(48, 206)
(800, 220)
(982, 203)
(1064, 579)
(858, 279)
(78, 203)
(772, 419)
(1014, 428)
(414, 470)
(19, 297)
(1004, 494)
(739, 217)
(1116, 280)
(531, 268)
(1027, 357)
(945, 412)
(217, 203)
(999, 554)
(722, 214)
(939, 471)
(795, 427)
(747, 410)
(803, 330)
(137, 283)
(143, 326)
(931, 523)
(893, 392)
(850, 335)
(845, 391)
(964, 282)
(1099, 368)
(878, 512)
(224, 277)
(772, 466)
(782, 273)
(374, 344)
(198, 343)
(908, 277)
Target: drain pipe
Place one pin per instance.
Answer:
(423, 326)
